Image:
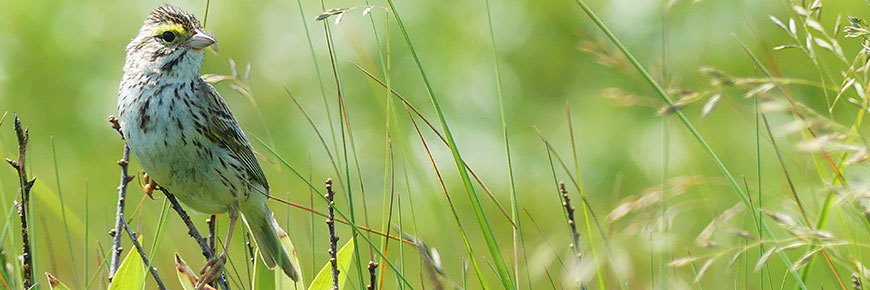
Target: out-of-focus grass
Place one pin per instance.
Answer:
(499, 69)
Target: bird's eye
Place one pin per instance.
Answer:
(167, 36)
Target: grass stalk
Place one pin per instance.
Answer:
(482, 221)
(664, 96)
(72, 255)
(462, 232)
(356, 229)
(598, 273)
(28, 268)
(518, 242)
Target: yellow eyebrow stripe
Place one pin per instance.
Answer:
(178, 29)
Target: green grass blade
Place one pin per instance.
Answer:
(72, 255)
(161, 228)
(339, 212)
(695, 133)
(462, 232)
(519, 243)
(485, 228)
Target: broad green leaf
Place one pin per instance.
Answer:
(54, 283)
(323, 280)
(264, 278)
(131, 274)
(282, 282)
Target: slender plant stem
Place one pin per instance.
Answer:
(485, 228)
(664, 96)
(372, 275)
(28, 269)
(356, 229)
(346, 137)
(122, 195)
(333, 239)
(72, 255)
(142, 253)
(518, 242)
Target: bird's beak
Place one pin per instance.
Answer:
(200, 40)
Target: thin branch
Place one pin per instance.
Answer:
(212, 238)
(575, 236)
(122, 194)
(341, 220)
(25, 185)
(142, 253)
(372, 275)
(333, 239)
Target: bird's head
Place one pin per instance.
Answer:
(170, 41)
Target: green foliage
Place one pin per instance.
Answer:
(681, 110)
(131, 273)
(344, 257)
(264, 278)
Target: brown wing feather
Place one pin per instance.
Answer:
(223, 129)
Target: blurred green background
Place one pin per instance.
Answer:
(60, 64)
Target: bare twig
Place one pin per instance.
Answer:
(122, 194)
(211, 229)
(372, 277)
(194, 233)
(333, 239)
(24, 189)
(340, 220)
(120, 221)
(575, 237)
(211, 237)
(119, 215)
(142, 253)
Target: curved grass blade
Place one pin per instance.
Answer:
(485, 228)
(664, 96)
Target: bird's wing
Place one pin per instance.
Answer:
(225, 131)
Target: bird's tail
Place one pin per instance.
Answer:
(267, 233)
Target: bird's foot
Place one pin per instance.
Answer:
(211, 271)
(149, 186)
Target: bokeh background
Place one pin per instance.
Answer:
(60, 64)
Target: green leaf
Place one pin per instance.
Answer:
(54, 283)
(264, 278)
(131, 274)
(281, 280)
(323, 280)
(186, 276)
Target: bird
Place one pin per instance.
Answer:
(185, 137)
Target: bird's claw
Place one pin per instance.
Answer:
(149, 186)
(211, 271)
